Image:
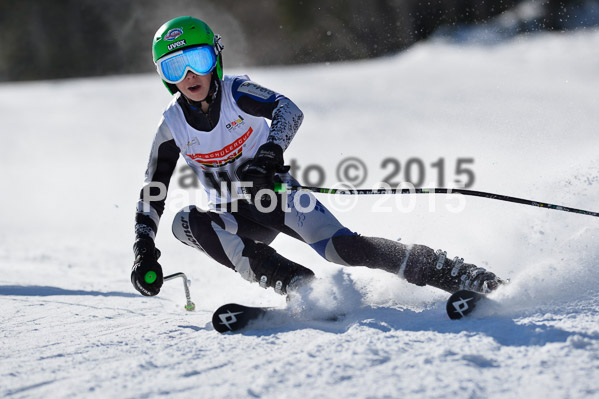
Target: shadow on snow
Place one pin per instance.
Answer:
(37, 290)
(503, 329)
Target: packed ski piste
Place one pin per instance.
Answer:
(218, 124)
(351, 317)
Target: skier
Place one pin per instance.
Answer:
(217, 124)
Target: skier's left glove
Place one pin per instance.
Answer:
(146, 274)
(261, 170)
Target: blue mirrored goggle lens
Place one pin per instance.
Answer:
(200, 60)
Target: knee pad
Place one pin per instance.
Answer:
(183, 222)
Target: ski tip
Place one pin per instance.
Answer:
(234, 317)
(462, 303)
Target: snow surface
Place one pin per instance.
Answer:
(73, 156)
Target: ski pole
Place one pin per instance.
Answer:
(280, 187)
(190, 306)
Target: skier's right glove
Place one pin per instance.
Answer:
(146, 274)
(261, 170)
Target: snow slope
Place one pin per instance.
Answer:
(73, 157)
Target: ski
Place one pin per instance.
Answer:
(234, 317)
(462, 303)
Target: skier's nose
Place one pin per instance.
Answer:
(190, 75)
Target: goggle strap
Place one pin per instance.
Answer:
(218, 45)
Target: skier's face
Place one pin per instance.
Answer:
(195, 87)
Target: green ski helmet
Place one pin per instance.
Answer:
(185, 32)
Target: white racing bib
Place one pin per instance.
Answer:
(217, 156)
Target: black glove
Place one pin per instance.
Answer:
(261, 170)
(146, 275)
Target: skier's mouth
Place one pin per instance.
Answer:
(194, 88)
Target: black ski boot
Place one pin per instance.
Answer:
(427, 267)
(276, 271)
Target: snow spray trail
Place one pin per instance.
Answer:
(327, 297)
(561, 265)
(556, 281)
(325, 300)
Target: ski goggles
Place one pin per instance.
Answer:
(200, 60)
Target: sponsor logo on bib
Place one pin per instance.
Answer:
(235, 124)
(225, 155)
